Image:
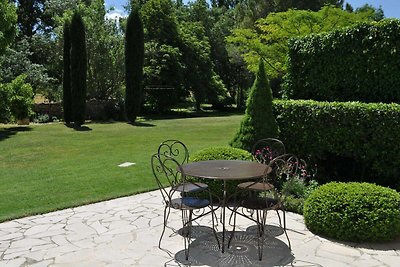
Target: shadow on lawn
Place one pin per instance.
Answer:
(142, 124)
(81, 128)
(185, 114)
(8, 132)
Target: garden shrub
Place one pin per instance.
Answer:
(259, 121)
(354, 140)
(352, 64)
(5, 112)
(220, 153)
(21, 97)
(354, 212)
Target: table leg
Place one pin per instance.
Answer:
(223, 217)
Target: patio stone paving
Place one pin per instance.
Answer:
(125, 232)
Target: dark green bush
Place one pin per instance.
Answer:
(345, 139)
(354, 212)
(360, 63)
(259, 121)
(220, 153)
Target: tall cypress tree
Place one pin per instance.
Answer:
(259, 121)
(78, 69)
(67, 101)
(134, 57)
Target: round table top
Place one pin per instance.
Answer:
(225, 169)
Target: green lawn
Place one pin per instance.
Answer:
(49, 167)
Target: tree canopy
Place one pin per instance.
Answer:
(269, 39)
(8, 19)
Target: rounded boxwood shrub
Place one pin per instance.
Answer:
(220, 153)
(354, 212)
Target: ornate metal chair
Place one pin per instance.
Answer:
(179, 152)
(179, 194)
(267, 149)
(175, 149)
(267, 194)
(264, 151)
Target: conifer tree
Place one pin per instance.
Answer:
(78, 69)
(67, 101)
(134, 57)
(259, 121)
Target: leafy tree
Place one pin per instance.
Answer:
(199, 77)
(163, 76)
(21, 100)
(349, 8)
(163, 66)
(259, 121)
(375, 13)
(313, 5)
(78, 69)
(33, 18)
(5, 95)
(105, 52)
(269, 39)
(134, 58)
(16, 61)
(67, 93)
(8, 18)
(159, 19)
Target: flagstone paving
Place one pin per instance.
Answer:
(125, 232)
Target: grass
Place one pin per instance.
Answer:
(50, 166)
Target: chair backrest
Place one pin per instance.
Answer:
(267, 149)
(285, 168)
(168, 173)
(175, 149)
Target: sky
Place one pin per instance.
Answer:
(391, 8)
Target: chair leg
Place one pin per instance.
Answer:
(187, 230)
(284, 226)
(166, 215)
(261, 216)
(234, 226)
(215, 217)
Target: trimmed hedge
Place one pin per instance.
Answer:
(354, 212)
(220, 153)
(349, 141)
(360, 63)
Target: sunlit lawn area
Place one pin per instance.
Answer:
(49, 167)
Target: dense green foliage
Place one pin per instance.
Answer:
(67, 94)
(78, 69)
(50, 166)
(16, 100)
(134, 57)
(8, 19)
(5, 95)
(347, 140)
(259, 121)
(269, 39)
(21, 99)
(220, 153)
(368, 56)
(354, 212)
(187, 58)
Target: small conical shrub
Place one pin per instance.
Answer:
(259, 121)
